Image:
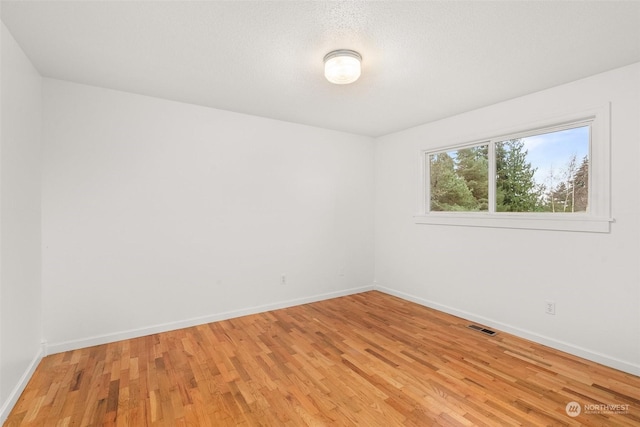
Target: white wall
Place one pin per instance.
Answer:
(20, 266)
(158, 214)
(502, 277)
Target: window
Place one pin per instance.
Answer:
(554, 176)
(459, 179)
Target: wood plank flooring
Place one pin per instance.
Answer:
(368, 359)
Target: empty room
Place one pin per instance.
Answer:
(318, 213)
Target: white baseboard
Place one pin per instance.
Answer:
(8, 404)
(523, 333)
(60, 347)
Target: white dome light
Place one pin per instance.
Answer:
(342, 66)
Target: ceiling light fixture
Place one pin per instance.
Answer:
(342, 66)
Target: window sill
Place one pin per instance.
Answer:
(544, 221)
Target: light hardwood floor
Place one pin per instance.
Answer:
(368, 359)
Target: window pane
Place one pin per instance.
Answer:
(544, 173)
(460, 180)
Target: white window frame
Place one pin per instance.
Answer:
(597, 219)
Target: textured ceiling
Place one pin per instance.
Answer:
(422, 61)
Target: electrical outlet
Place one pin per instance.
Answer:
(283, 279)
(550, 307)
